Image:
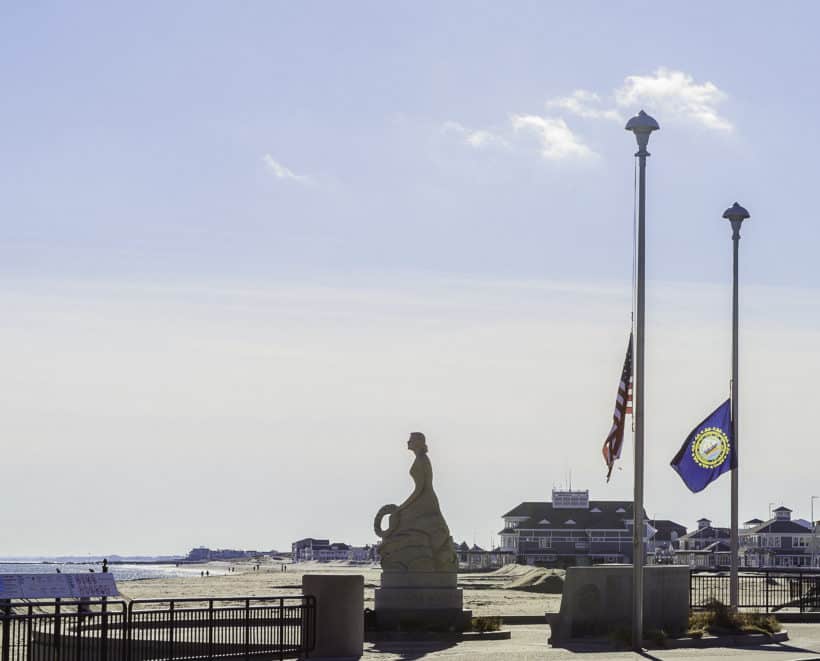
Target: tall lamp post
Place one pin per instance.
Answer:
(642, 126)
(735, 214)
(813, 530)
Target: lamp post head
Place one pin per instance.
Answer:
(642, 125)
(736, 214)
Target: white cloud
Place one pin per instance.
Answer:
(556, 138)
(480, 139)
(671, 95)
(282, 172)
(584, 103)
(675, 95)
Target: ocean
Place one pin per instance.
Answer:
(124, 572)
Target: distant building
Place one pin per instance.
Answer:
(204, 554)
(706, 547)
(322, 550)
(475, 558)
(570, 530)
(779, 542)
(660, 547)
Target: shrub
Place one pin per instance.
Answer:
(720, 618)
(484, 624)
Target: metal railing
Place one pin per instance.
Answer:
(158, 629)
(62, 630)
(765, 591)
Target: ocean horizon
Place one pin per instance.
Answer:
(121, 572)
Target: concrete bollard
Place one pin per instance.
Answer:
(339, 615)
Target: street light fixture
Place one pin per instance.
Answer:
(642, 126)
(736, 214)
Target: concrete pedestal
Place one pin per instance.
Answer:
(597, 600)
(422, 601)
(339, 608)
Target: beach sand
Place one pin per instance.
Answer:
(484, 593)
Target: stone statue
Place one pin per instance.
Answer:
(417, 538)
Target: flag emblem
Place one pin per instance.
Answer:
(711, 448)
(708, 452)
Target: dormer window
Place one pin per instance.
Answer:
(569, 522)
(621, 510)
(543, 522)
(595, 510)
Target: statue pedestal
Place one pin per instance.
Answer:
(429, 601)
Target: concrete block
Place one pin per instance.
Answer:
(339, 608)
(598, 599)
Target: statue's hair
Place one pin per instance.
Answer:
(419, 437)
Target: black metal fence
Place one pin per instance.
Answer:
(765, 591)
(264, 628)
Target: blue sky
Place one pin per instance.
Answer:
(248, 226)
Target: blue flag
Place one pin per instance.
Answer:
(709, 450)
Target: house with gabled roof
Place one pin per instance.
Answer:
(778, 542)
(570, 530)
(705, 547)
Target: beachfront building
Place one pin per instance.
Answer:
(706, 547)
(475, 558)
(660, 549)
(322, 550)
(778, 542)
(204, 554)
(570, 530)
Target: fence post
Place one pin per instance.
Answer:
(766, 587)
(5, 611)
(57, 627)
(171, 631)
(104, 630)
(211, 629)
(247, 628)
(281, 628)
(801, 592)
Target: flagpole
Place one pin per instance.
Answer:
(642, 126)
(736, 214)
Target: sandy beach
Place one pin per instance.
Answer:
(484, 593)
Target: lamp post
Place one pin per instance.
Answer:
(735, 214)
(813, 530)
(642, 126)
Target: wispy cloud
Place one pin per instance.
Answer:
(556, 138)
(671, 95)
(676, 95)
(584, 103)
(479, 138)
(282, 172)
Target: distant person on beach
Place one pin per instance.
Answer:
(207, 573)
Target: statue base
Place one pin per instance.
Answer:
(420, 601)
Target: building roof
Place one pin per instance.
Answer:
(602, 514)
(665, 528)
(753, 522)
(780, 527)
(707, 532)
(782, 508)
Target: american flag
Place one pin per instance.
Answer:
(623, 405)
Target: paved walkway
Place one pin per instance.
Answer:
(529, 643)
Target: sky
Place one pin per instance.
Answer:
(246, 249)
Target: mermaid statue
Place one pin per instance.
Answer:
(417, 538)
